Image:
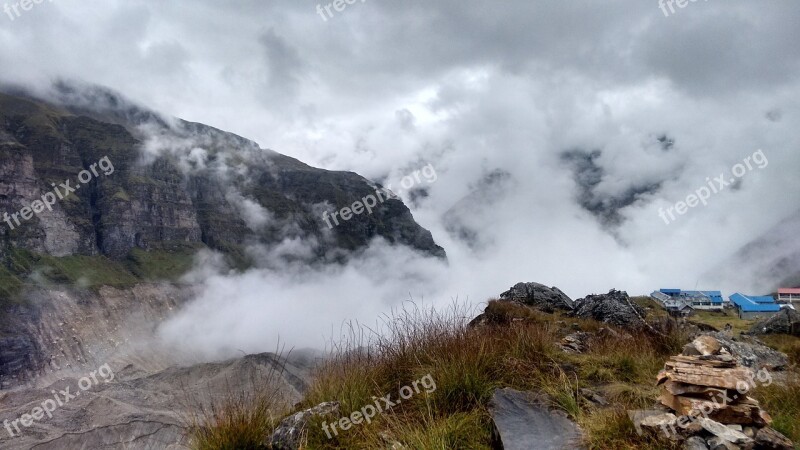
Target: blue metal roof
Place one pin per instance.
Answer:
(749, 303)
(715, 296)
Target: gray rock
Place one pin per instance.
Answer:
(174, 198)
(718, 443)
(785, 322)
(140, 411)
(539, 296)
(695, 443)
(690, 350)
(614, 308)
(523, 423)
(577, 342)
(769, 439)
(290, 431)
(594, 397)
(637, 416)
(750, 352)
(707, 345)
(19, 357)
(725, 434)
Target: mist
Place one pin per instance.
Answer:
(558, 132)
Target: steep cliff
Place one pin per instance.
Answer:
(175, 182)
(97, 193)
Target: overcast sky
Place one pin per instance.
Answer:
(558, 130)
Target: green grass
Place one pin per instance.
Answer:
(518, 349)
(85, 271)
(21, 268)
(786, 344)
(652, 307)
(782, 402)
(515, 347)
(14, 270)
(243, 419)
(167, 263)
(718, 320)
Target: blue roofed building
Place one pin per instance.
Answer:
(677, 300)
(755, 307)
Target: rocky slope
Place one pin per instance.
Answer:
(86, 278)
(174, 182)
(154, 191)
(131, 409)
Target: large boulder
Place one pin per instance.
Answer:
(539, 296)
(785, 322)
(615, 308)
(522, 422)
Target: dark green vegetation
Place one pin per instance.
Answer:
(23, 268)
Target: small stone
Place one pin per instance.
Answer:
(657, 424)
(726, 434)
(718, 443)
(769, 438)
(707, 345)
(695, 443)
(690, 350)
(594, 397)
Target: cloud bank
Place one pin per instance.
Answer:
(557, 130)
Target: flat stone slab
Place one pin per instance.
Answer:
(524, 423)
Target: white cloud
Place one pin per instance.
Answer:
(470, 87)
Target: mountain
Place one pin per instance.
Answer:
(173, 183)
(150, 192)
(774, 257)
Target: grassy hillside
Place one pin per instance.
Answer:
(21, 268)
(519, 350)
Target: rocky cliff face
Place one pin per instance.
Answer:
(149, 192)
(172, 182)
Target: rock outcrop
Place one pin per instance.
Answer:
(289, 433)
(539, 296)
(615, 308)
(166, 189)
(71, 328)
(172, 182)
(143, 409)
(750, 352)
(787, 321)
